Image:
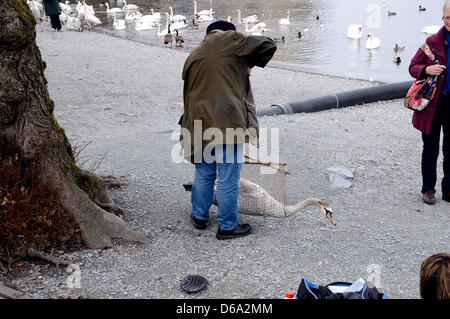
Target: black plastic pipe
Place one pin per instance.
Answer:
(339, 100)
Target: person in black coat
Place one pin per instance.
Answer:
(53, 10)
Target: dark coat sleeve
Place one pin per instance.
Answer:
(255, 50)
(418, 65)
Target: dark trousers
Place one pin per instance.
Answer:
(55, 22)
(430, 151)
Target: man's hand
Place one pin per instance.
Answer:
(435, 69)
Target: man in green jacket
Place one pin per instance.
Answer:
(219, 117)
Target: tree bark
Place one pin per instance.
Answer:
(31, 136)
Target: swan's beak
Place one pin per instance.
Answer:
(329, 215)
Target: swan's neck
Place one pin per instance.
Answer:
(195, 7)
(239, 16)
(292, 209)
(171, 11)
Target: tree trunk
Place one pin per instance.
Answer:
(31, 137)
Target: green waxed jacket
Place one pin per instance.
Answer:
(217, 90)
(51, 7)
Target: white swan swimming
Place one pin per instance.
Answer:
(285, 21)
(112, 10)
(203, 12)
(372, 42)
(250, 19)
(129, 6)
(177, 17)
(354, 31)
(431, 29)
(257, 29)
(205, 18)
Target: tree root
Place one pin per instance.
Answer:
(55, 260)
(112, 181)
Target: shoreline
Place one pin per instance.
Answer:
(126, 98)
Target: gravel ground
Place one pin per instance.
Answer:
(126, 97)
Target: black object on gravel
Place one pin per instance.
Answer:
(193, 283)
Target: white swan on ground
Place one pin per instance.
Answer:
(131, 16)
(86, 13)
(163, 32)
(354, 31)
(166, 28)
(35, 9)
(249, 19)
(87, 8)
(285, 21)
(372, 42)
(112, 10)
(66, 7)
(119, 24)
(142, 25)
(177, 25)
(74, 23)
(156, 15)
(431, 29)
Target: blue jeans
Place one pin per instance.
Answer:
(226, 165)
(430, 151)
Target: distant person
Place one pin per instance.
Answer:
(437, 113)
(435, 277)
(217, 94)
(53, 10)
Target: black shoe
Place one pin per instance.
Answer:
(198, 223)
(446, 197)
(241, 230)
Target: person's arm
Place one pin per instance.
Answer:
(419, 68)
(418, 65)
(255, 50)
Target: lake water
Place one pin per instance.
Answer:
(324, 48)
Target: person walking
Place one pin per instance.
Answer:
(437, 113)
(53, 10)
(218, 101)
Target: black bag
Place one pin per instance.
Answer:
(339, 290)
